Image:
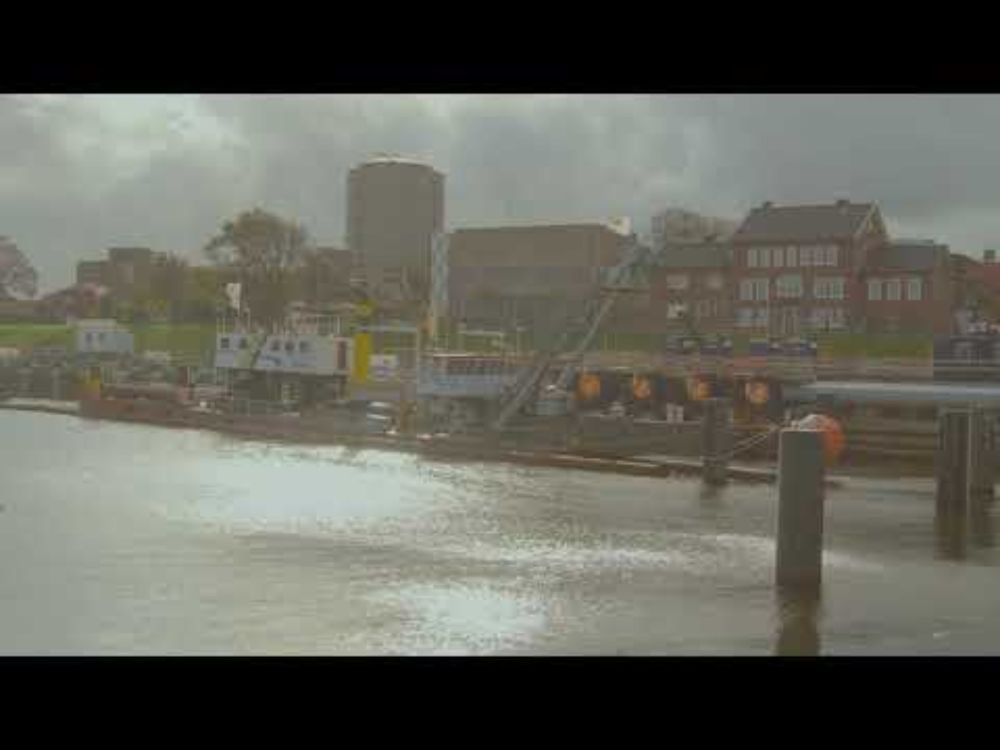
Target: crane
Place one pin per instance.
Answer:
(627, 275)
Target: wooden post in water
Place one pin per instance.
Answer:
(953, 475)
(981, 485)
(715, 441)
(799, 558)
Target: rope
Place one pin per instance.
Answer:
(751, 442)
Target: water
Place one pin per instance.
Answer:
(128, 539)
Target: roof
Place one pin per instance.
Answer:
(911, 256)
(700, 255)
(391, 159)
(834, 221)
(528, 228)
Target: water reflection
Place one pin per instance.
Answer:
(981, 521)
(798, 628)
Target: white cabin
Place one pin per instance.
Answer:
(102, 336)
(294, 353)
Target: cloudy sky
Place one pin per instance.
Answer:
(81, 173)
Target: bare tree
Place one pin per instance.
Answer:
(17, 276)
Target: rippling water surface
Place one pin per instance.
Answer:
(133, 539)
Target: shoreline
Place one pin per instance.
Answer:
(299, 430)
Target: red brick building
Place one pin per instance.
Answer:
(691, 289)
(909, 288)
(801, 268)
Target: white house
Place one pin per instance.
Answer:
(102, 336)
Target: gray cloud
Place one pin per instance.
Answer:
(75, 177)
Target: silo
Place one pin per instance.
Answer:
(395, 207)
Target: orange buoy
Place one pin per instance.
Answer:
(699, 389)
(833, 434)
(589, 386)
(757, 392)
(641, 387)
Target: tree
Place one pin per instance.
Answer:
(264, 251)
(17, 276)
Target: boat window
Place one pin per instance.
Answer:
(303, 346)
(289, 346)
(224, 343)
(275, 345)
(243, 343)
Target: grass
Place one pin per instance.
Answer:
(30, 335)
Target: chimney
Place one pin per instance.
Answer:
(989, 256)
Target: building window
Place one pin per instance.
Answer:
(894, 290)
(224, 342)
(276, 346)
(875, 289)
(915, 289)
(806, 256)
(713, 281)
(746, 290)
(752, 257)
(789, 286)
(706, 308)
(303, 347)
(761, 287)
(765, 257)
(289, 346)
(243, 342)
(677, 282)
(829, 255)
(791, 256)
(828, 287)
(828, 318)
(777, 257)
(762, 317)
(744, 317)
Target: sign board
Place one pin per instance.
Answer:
(384, 367)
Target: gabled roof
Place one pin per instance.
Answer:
(696, 255)
(834, 221)
(911, 255)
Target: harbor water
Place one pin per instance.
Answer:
(133, 539)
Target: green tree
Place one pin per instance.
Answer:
(264, 251)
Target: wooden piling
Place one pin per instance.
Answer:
(982, 477)
(715, 441)
(799, 555)
(953, 480)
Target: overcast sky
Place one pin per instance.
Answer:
(81, 173)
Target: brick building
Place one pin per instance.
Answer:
(530, 276)
(909, 287)
(127, 271)
(801, 268)
(691, 287)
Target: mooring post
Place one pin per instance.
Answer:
(799, 558)
(715, 440)
(798, 626)
(953, 481)
(981, 485)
